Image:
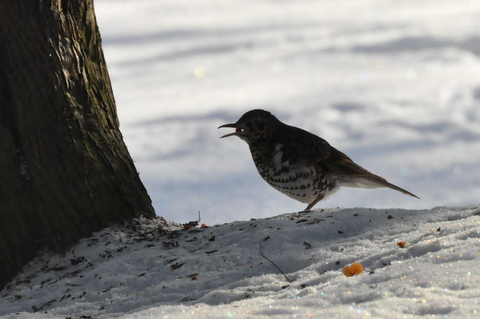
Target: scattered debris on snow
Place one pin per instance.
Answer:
(283, 266)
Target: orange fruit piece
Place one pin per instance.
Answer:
(401, 244)
(347, 271)
(355, 269)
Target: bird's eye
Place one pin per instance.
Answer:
(249, 124)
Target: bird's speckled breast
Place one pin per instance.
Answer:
(300, 182)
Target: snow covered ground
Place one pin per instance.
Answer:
(142, 271)
(394, 85)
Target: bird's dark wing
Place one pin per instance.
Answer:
(340, 164)
(312, 149)
(303, 147)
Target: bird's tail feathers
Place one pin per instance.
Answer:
(401, 190)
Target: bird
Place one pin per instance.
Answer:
(298, 163)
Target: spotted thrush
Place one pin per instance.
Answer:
(300, 164)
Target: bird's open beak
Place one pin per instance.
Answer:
(233, 125)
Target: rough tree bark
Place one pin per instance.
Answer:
(64, 168)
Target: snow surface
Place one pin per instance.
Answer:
(393, 84)
(144, 271)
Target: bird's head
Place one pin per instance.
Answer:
(253, 126)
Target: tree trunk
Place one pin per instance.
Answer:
(64, 168)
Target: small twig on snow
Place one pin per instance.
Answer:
(261, 254)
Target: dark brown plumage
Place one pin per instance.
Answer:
(300, 164)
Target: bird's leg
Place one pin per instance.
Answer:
(310, 206)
